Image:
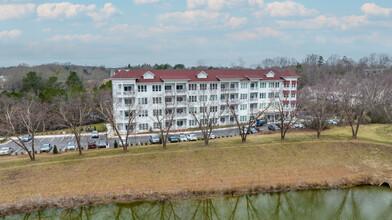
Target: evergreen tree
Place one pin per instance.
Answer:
(32, 82)
(74, 82)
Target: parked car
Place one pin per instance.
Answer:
(154, 138)
(191, 137)
(253, 130)
(26, 138)
(91, 144)
(101, 143)
(71, 146)
(182, 138)
(273, 128)
(212, 136)
(6, 151)
(95, 134)
(172, 138)
(332, 122)
(46, 148)
(299, 125)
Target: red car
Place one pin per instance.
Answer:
(92, 145)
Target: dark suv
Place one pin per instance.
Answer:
(172, 138)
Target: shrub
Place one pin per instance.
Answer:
(115, 144)
(131, 145)
(66, 149)
(16, 153)
(81, 129)
(95, 128)
(200, 138)
(141, 143)
(35, 151)
(55, 151)
(21, 153)
(146, 143)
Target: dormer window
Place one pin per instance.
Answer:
(148, 75)
(202, 75)
(270, 74)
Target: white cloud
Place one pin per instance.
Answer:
(139, 2)
(323, 21)
(46, 30)
(373, 9)
(78, 37)
(257, 33)
(10, 34)
(104, 13)
(9, 11)
(67, 9)
(259, 3)
(195, 17)
(213, 4)
(285, 9)
(235, 22)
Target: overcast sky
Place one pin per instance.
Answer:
(96, 32)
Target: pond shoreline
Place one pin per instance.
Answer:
(72, 201)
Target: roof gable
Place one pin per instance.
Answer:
(202, 75)
(148, 75)
(270, 74)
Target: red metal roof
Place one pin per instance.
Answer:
(191, 75)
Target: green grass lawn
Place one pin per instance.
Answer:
(227, 162)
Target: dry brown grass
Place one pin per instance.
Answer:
(263, 164)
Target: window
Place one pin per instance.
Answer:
(143, 113)
(193, 98)
(213, 86)
(142, 88)
(168, 99)
(223, 107)
(143, 126)
(156, 125)
(142, 101)
(263, 105)
(156, 88)
(203, 109)
(243, 106)
(271, 85)
(192, 110)
(192, 86)
(213, 97)
(203, 98)
(271, 95)
(222, 120)
(253, 95)
(213, 108)
(128, 88)
(285, 105)
(180, 123)
(263, 95)
(253, 85)
(243, 96)
(223, 97)
(263, 85)
(168, 88)
(157, 112)
(126, 114)
(156, 100)
(180, 99)
(179, 87)
(277, 84)
(203, 86)
(292, 95)
(293, 84)
(292, 105)
(244, 85)
(192, 122)
(286, 95)
(286, 85)
(128, 101)
(243, 118)
(276, 94)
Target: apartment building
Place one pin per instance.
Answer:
(145, 93)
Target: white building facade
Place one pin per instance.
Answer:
(143, 91)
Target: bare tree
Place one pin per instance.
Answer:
(107, 106)
(317, 102)
(23, 115)
(204, 109)
(356, 96)
(244, 124)
(287, 112)
(164, 113)
(73, 111)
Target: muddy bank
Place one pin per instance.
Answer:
(72, 201)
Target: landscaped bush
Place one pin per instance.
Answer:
(66, 149)
(21, 153)
(55, 151)
(115, 145)
(200, 138)
(95, 128)
(16, 153)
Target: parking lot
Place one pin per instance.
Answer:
(61, 140)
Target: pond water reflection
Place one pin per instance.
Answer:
(354, 203)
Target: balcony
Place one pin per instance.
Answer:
(181, 91)
(254, 88)
(254, 99)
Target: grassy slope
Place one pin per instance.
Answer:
(264, 160)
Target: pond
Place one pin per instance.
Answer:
(366, 202)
